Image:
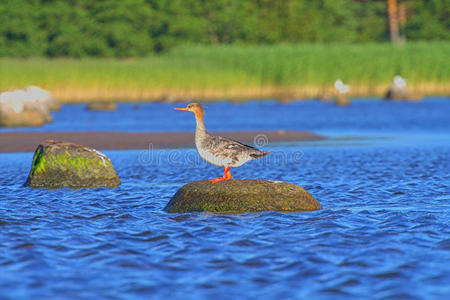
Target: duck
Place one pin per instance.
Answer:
(217, 150)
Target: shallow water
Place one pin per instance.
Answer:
(366, 117)
(383, 233)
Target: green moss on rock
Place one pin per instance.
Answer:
(58, 164)
(238, 196)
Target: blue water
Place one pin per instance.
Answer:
(366, 117)
(384, 232)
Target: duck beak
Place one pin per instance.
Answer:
(185, 108)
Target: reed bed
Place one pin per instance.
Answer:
(237, 72)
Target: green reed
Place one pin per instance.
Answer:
(239, 67)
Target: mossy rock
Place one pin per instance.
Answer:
(239, 196)
(61, 164)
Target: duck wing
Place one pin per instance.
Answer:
(225, 147)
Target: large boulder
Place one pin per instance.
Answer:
(238, 196)
(58, 164)
(26, 107)
(18, 108)
(43, 97)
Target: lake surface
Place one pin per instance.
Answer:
(366, 117)
(383, 179)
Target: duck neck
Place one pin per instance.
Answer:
(200, 129)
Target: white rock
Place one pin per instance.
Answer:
(42, 96)
(22, 107)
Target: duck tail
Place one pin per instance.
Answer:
(259, 154)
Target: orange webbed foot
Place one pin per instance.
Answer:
(226, 176)
(218, 179)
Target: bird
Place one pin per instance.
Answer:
(217, 150)
(341, 87)
(399, 81)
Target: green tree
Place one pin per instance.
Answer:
(19, 33)
(126, 28)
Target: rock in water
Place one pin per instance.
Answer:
(20, 108)
(397, 93)
(43, 97)
(111, 106)
(342, 93)
(18, 115)
(342, 100)
(58, 164)
(238, 196)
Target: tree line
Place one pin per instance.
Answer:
(127, 28)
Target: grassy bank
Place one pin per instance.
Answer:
(281, 71)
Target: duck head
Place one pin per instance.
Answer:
(195, 108)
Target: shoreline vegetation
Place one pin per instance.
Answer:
(283, 72)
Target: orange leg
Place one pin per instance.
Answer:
(226, 175)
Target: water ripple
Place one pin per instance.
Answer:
(383, 233)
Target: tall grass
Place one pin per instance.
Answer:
(237, 72)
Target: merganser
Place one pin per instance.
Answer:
(217, 150)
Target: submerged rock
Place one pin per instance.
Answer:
(238, 196)
(58, 164)
(394, 93)
(102, 106)
(342, 93)
(398, 90)
(285, 97)
(342, 100)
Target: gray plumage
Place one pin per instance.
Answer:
(222, 151)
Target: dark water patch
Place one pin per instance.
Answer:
(444, 244)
